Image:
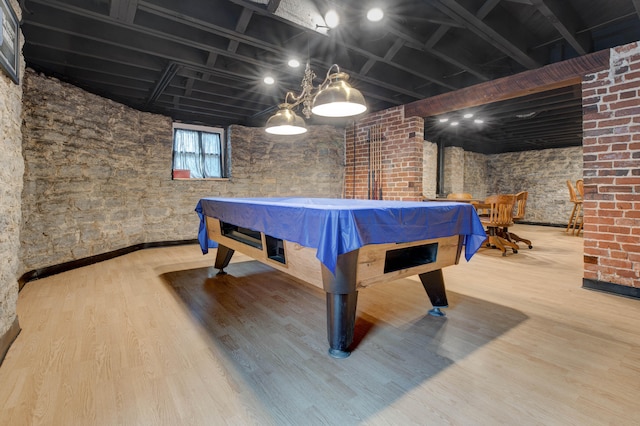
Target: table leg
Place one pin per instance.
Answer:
(223, 257)
(341, 318)
(433, 283)
(342, 299)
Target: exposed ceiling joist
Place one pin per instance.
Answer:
(123, 10)
(565, 22)
(222, 49)
(481, 29)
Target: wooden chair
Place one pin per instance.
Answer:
(519, 211)
(577, 207)
(498, 221)
(580, 188)
(459, 196)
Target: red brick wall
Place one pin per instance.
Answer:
(611, 107)
(401, 156)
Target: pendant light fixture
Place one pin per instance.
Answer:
(333, 98)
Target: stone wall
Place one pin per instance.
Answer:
(98, 174)
(611, 106)
(544, 174)
(11, 171)
(454, 171)
(476, 172)
(429, 169)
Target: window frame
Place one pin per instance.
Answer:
(206, 129)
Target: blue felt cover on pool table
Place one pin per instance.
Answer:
(336, 226)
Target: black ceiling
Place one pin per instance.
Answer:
(202, 61)
(551, 119)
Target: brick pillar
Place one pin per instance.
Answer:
(401, 155)
(611, 107)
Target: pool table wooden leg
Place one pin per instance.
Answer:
(342, 299)
(433, 283)
(223, 257)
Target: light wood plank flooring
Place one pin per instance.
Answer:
(155, 338)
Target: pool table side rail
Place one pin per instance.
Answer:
(302, 263)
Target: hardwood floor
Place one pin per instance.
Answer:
(155, 338)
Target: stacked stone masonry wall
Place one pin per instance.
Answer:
(98, 174)
(476, 173)
(454, 171)
(543, 174)
(611, 107)
(429, 169)
(11, 171)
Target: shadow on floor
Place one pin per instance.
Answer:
(272, 330)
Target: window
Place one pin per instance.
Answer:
(198, 150)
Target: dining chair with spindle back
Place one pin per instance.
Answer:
(498, 221)
(519, 212)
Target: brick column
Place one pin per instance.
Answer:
(611, 106)
(402, 153)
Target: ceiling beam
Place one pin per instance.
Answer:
(192, 21)
(429, 46)
(353, 48)
(443, 29)
(123, 10)
(553, 76)
(167, 75)
(391, 52)
(272, 6)
(241, 27)
(565, 22)
(636, 4)
(490, 35)
(413, 43)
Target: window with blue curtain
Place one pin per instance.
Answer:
(199, 150)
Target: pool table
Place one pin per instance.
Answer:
(342, 245)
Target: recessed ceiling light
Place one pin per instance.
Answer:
(293, 63)
(269, 80)
(454, 123)
(332, 19)
(468, 115)
(375, 14)
(478, 121)
(443, 120)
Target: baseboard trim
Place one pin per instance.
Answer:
(553, 225)
(8, 338)
(74, 264)
(617, 289)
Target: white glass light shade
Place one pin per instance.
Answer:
(338, 99)
(285, 122)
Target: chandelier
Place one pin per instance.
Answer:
(333, 98)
